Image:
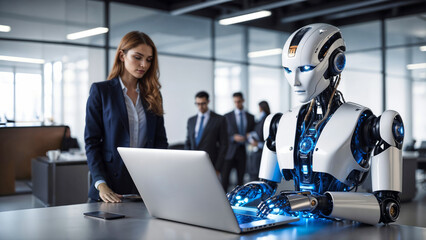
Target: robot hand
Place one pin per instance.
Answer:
(249, 192)
(291, 202)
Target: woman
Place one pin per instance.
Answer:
(124, 111)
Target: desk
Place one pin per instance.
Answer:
(68, 222)
(60, 182)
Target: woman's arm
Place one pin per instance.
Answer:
(94, 134)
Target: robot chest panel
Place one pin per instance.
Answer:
(330, 152)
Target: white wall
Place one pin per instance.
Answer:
(181, 79)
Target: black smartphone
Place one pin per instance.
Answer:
(103, 215)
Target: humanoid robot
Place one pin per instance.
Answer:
(326, 145)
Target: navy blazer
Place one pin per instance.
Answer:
(107, 127)
(214, 139)
(233, 129)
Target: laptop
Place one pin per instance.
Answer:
(182, 186)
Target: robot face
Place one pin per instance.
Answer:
(305, 59)
(307, 80)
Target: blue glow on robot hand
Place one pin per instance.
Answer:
(306, 145)
(306, 68)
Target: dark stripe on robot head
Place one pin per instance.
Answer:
(327, 45)
(296, 40)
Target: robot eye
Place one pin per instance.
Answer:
(287, 70)
(306, 68)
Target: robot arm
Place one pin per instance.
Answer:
(386, 165)
(269, 173)
(386, 135)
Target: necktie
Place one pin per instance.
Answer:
(200, 131)
(241, 126)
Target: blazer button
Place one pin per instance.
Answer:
(115, 174)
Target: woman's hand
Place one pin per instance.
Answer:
(107, 195)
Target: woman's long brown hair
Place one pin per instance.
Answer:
(149, 83)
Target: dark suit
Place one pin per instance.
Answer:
(214, 139)
(236, 155)
(107, 127)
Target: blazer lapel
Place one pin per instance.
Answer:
(234, 122)
(208, 127)
(117, 95)
(150, 121)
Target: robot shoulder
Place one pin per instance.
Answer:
(272, 122)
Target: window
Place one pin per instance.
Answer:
(228, 79)
(28, 97)
(268, 84)
(6, 96)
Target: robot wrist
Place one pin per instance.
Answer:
(271, 184)
(389, 205)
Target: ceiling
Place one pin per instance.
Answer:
(290, 14)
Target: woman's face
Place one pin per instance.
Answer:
(137, 60)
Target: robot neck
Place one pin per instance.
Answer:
(323, 100)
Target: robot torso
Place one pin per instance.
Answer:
(329, 158)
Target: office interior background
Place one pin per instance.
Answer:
(383, 69)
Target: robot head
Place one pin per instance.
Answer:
(311, 56)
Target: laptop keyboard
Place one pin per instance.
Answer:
(241, 218)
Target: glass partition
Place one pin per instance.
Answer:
(48, 20)
(405, 30)
(177, 35)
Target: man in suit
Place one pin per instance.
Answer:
(239, 123)
(207, 131)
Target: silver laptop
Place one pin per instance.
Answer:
(182, 186)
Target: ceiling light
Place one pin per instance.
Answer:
(5, 28)
(197, 6)
(21, 59)
(87, 33)
(264, 53)
(244, 18)
(423, 48)
(416, 66)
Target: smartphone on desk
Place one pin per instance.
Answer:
(103, 215)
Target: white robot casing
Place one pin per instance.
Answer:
(332, 153)
(311, 43)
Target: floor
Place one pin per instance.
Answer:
(412, 212)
